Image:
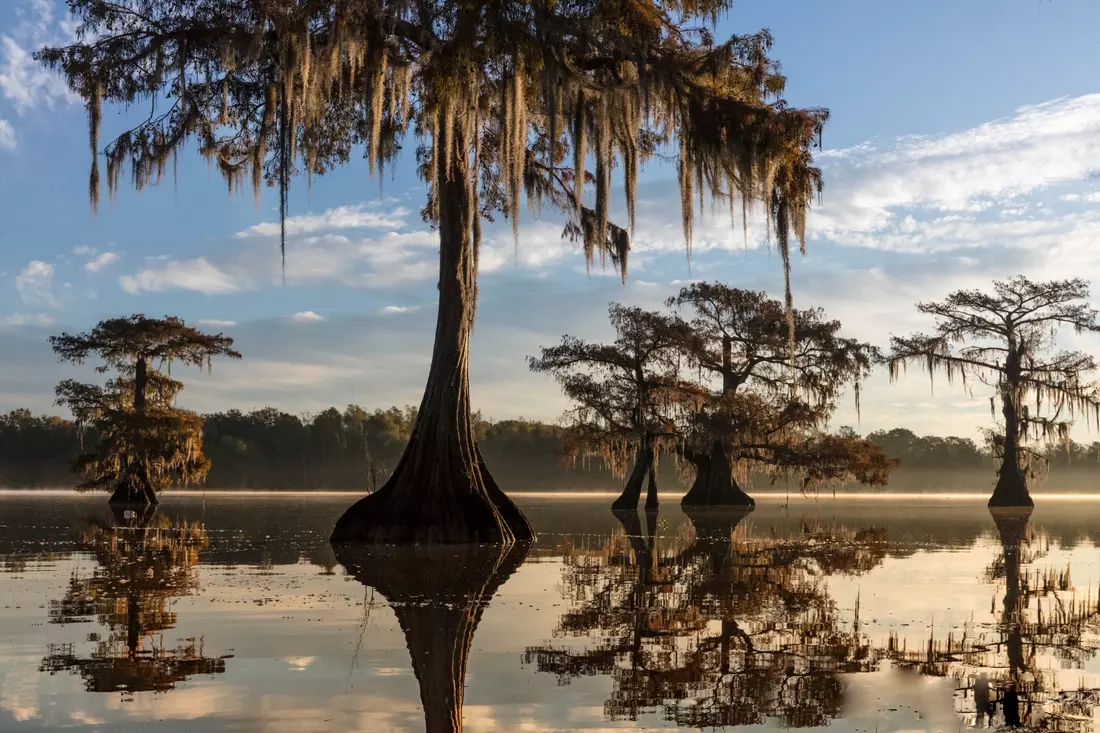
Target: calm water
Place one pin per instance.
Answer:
(234, 614)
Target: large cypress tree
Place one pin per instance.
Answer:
(507, 99)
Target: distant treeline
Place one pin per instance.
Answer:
(270, 449)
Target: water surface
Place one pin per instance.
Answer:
(232, 613)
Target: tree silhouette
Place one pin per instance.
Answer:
(509, 99)
(724, 390)
(145, 442)
(724, 629)
(760, 403)
(622, 390)
(1007, 339)
(144, 563)
(438, 595)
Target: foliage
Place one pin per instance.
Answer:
(728, 376)
(145, 441)
(766, 400)
(511, 100)
(1006, 340)
(625, 391)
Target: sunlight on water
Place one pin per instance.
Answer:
(222, 613)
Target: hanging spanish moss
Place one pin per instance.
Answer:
(272, 90)
(1007, 341)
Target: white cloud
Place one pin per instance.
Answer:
(7, 135)
(306, 317)
(24, 82)
(877, 195)
(1093, 197)
(342, 217)
(215, 323)
(83, 250)
(35, 284)
(17, 320)
(101, 261)
(399, 309)
(198, 274)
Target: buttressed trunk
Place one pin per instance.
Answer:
(438, 595)
(440, 491)
(134, 487)
(632, 492)
(1011, 488)
(714, 484)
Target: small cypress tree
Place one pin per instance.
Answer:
(146, 442)
(1006, 340)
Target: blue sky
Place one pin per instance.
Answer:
(964, 145)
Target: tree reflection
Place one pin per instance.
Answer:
(145, 561)
(1042, 626)
(713, 627)
(438, 593)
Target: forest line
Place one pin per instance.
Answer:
(271, 449)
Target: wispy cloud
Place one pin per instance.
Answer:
(101, 261)
(878, 195)
(306, 317)
(35, 284)
(25, 83)
(371, 215)
(1092, 197)
(18, 320)
(7, 135)
(394, 309)
(198, 274)
(216, 323)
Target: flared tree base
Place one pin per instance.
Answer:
(714, 484)
(423, 505)
(1011, 491)
(131, 496)
(632, 492)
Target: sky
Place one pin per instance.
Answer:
(963, 146)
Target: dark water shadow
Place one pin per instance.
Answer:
(438, 594)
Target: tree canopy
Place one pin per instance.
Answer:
(146, 442)
(506, 100)
(722, 389)
(536, 99)
(1006, 340)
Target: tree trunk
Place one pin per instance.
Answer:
(1011, 489)
(440, 491)
(134, 487)
(651, 503)
(438, 595)
(141, 380)
(714, 484)
(632, 492)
